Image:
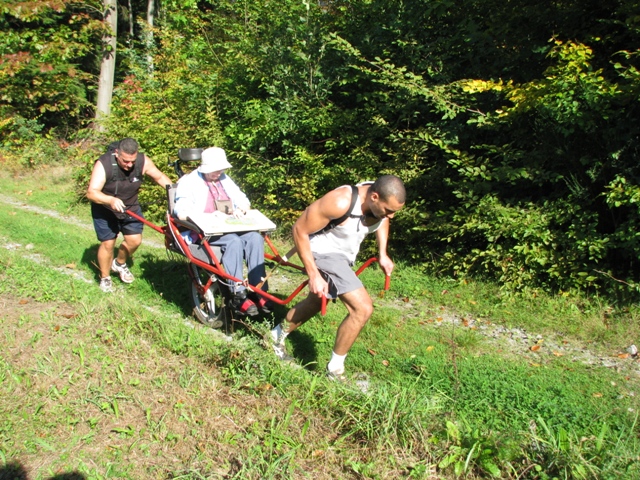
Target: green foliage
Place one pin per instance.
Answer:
(46, 52)
(532, 211)
(566, 453)
(514, 125)
(469, 450)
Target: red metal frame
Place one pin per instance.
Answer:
(218, 270)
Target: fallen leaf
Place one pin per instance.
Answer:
(317, 453)
(373, 352)
(472, 302)
(439, 319)
(535, 348)
(406, 300)
(430, 348)
(597, 394)
(623, 355)
(558, 354)
(70, 265)
(29, 193)
(381, 294)
(385, 363)
(534, 364)
(444, 292)
(23, 301)
(56, 328)
(69, 315)
(264, 388)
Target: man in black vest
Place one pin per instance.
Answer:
(113, 188)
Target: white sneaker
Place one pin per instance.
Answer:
(281, 352)
(338, 377)
(106, 285)
(125, 275)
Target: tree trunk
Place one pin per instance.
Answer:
(149, 33)
(108, 65)
(131, 22)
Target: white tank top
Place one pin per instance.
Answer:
(346, 237)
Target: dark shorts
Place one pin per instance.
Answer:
(108, 226)
(338, 272)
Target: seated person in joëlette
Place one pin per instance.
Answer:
(208, 189)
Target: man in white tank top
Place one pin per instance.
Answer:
(329, 253)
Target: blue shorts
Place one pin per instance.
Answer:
(107, 225)
(337, 270)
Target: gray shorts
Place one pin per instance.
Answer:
(338, 272)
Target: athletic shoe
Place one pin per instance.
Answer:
(243, 305)
(281, 352)
(338, 377)
(265, 306)
(125, 275)
(106, 285)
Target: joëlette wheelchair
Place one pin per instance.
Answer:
(211, 286)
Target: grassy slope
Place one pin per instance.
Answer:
(123, 386)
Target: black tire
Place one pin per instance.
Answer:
(210, 307)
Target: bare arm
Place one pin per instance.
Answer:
(154, 173)
(382, 236)
(317, 215)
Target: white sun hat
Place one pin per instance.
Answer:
(213, 160)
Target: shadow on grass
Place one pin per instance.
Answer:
(169, 278)
(15, 471)
(304, 350)
(90, 259)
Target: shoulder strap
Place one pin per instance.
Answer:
(138, 166)
(337, 221)
(111, 150)
(114, 168)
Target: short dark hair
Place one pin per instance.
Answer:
(128, 146)
(388, 186)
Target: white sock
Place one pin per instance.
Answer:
(336, 364)
(278, 334)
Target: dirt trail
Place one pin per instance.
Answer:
(71, 220)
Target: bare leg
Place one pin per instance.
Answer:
(360, 309)
(128, 246)
(301, 312)
(105, 257)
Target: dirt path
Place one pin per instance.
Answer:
(71, 220)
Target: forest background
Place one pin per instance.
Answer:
(514, 124)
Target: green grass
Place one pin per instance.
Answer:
(126, 386)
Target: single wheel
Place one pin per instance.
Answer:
(209, 305)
